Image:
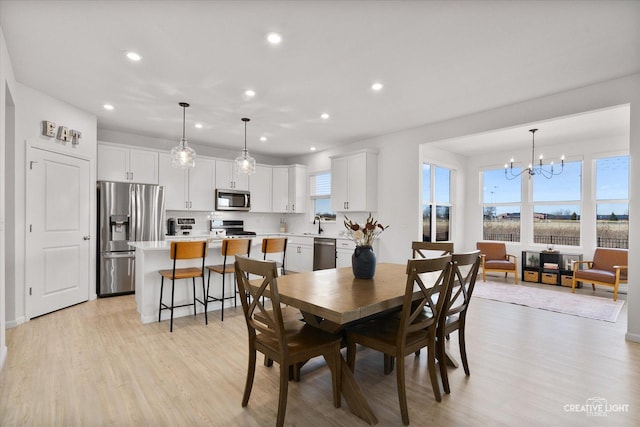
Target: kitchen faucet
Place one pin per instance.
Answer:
(320, 230)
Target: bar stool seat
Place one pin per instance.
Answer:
(184, 251)
(230, 248)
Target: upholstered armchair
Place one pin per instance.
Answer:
(495, 258)
(608, 268)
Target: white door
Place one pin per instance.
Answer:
(58, 221)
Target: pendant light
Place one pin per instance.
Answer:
(244, 163)
(534, 169)
(183, 156)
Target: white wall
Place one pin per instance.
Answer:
(7, 126)
(32, 107)
(401, 154)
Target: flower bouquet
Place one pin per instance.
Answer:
(364, 235)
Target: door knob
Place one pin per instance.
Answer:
(86, 237)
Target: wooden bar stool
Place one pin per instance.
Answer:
(184, 251)
(274, 245)
(230, 248)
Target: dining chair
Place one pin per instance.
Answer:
(286, 346)
(495, 258)
(416, 327)
(272, 245)
(422, 249)
(184, 251)
(230, 248)
(454, 315)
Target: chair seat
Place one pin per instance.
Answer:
(597, 275)
(499, 265)
(289, 314)
(300, 341)
(182, 273)
(221, 268)
(385, 332)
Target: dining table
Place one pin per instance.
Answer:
(332, 299)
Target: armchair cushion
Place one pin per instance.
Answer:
(608, 259)
(492, 251)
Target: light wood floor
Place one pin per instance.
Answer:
(95, 364)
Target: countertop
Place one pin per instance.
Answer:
(214, 241)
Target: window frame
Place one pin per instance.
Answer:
(313, 196)
(433, 204)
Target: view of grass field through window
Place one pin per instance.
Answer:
(556, 205)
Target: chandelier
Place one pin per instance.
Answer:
(244, 163)
(534, 169)
(183, 156)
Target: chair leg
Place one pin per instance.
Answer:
(442, 364)
(206, 302)
(284, 389)
(615, 292)
(336, 377)
(251, 370)
(388, 364)
(195, 311)
(222, 301)
(351, 355)
(160, 306)
(402, 392)
(173, 292)
(463, 350)
(431, 364)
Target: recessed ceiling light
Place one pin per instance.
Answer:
(377, 86)
(325, 116)
(274, 38)
(133, 56)
(198, 125)
(108, 107)
(250, 93)
(312, 148)
(263, 138)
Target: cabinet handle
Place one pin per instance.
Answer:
(186, 204)
(293, 207)
(131, 176)
(347, 205)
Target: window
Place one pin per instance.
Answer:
(436, 197)
(321, 196)
(501, 200)
(612, 202)
(556, 207)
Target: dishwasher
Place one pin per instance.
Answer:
(324, 253)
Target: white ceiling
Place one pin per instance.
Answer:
(437, 59)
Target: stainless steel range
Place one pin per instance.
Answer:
(229, 228)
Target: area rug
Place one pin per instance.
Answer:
(576, 305)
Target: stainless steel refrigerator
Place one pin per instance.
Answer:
(126, 213)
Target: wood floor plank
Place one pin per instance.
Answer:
(95, 364)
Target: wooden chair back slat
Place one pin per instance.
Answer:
(419, 249)
(274, 245)
(188, 250)
(231, 247)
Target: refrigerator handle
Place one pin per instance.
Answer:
(133, 208)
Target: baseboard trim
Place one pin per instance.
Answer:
(3, 357)
(632, 337)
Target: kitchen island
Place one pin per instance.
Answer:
(150, 257)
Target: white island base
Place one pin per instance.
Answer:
(154, 256)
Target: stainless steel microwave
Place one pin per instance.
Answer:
(233, 200)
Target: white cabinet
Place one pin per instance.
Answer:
(226, 179)
(187, 189)
(299, 256)
(297, 189)
(260, 187)
(344, 251)
(280, 194)
(354, 181)
(123, 164)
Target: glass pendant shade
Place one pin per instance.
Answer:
(244, 163)
(183, 156)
